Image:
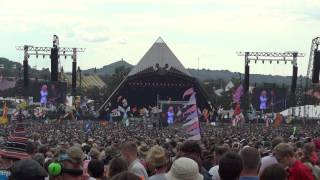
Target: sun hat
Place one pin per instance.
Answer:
(184, 169)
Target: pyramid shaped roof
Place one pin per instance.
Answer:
(159, 55)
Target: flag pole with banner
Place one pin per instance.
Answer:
(191, 124)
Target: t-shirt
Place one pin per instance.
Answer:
(267, 161)
(137, 168)
(158, 177)
(4, 174)
(249, 178)
(214, 172)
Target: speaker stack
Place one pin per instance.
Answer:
(294, 79)
(246, 78)
(54, 64)
(316, 67)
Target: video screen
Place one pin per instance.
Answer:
(49, 92)
(267, 99)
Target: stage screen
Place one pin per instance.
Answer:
(49, 92)
(268, 98)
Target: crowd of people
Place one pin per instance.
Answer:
(68, 150)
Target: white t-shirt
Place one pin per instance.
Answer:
(267, 161)
(214, 172)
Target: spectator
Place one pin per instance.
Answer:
(230, 166)
(126, 176)
(285, 155)
(28, 169)
(70, 163)
(193, 149)
(129, 152)
(158, 160)
(218, 153)
(310, 159)
(270, 159)
(251, 160)
(39, 157)
(273, 172)
(94, 154)
(96, 170)
(184, 169)
(117, 165)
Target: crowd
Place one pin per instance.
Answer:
(66, 150)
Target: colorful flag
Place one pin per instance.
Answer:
(188, 92)
(229, 86)
(278, 120)
(294, 130)
(4, 118)
(195, 137)
(218, 92)
(237, 94)
(190, 110)
(191, 116)
(193, 126)
(192, 100)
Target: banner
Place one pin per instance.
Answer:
(191, 124)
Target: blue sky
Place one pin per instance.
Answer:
(211, 30)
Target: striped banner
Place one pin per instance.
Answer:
(190, 117)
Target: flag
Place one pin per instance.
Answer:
(190, 121)
(191, 124)
(237, 110)
(195, 137)
(251, 89)
(237, 94)
(4, 118)
(191, 116)
(229, 86)
(278, 120)
(188, 92)
(218, 92)
(294, 130)
(192, 100)
(192, 109)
